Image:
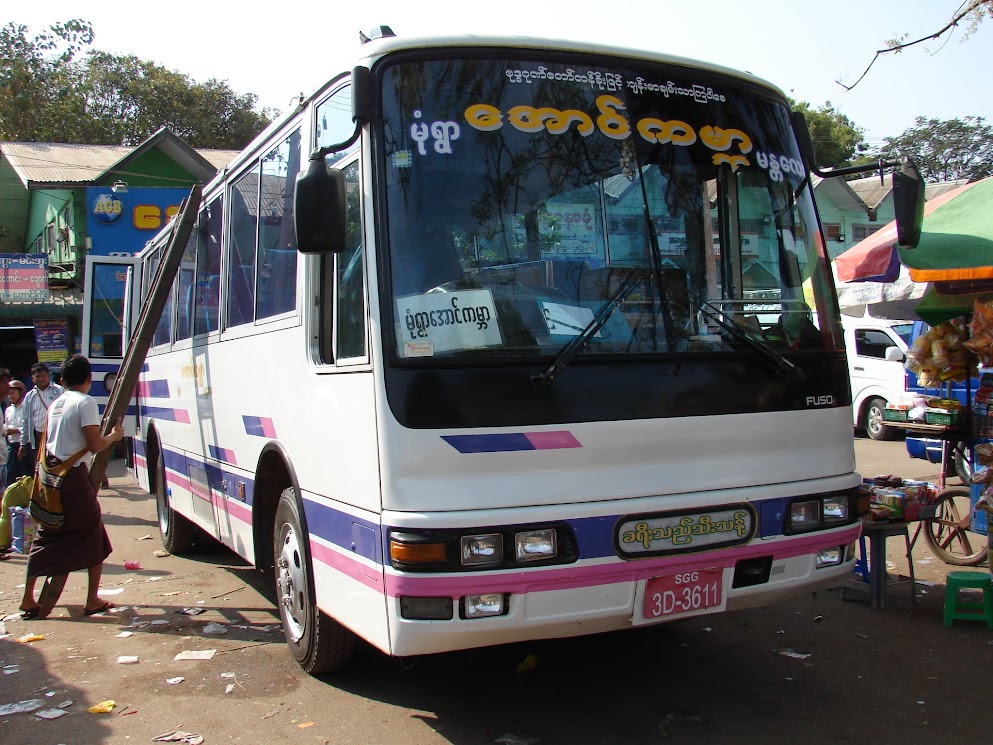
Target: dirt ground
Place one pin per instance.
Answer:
(817, 669)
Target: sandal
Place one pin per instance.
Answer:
(107, 605)
(30, 614)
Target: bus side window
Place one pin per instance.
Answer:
(163, 329)
(185, 295)
(243, 235)
(351, 275)
(208, 268)
(277, 258)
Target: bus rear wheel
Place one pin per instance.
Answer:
(318, 643)
(177, 533)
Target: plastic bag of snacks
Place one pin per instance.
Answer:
(942, 354)
(981, 327)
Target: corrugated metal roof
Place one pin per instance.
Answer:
(871, 190)
(45, 162)
(840, 193)
(936, 190)
(54, 163)
(218, 158)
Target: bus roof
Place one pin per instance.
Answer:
(376, 48)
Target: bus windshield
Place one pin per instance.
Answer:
(641, 208)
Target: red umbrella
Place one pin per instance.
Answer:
(876, 258)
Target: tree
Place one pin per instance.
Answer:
(38, 79)
(49, 94)
(946, 150)
(837, 139)
(130, 99)
(972, 11)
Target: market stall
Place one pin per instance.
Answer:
(951, 271)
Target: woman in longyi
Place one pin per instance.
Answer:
(73, 433)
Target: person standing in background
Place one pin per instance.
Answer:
(14, 425)
(36, 405)
(4, 390)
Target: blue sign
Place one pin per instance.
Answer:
(121, 222)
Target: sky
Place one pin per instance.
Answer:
(802, 46)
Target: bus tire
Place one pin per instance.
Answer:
(177, 533)
(317, 642)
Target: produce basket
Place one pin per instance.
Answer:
(943, 418)
(895, 415)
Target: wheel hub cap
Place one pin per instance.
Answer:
(291, 584)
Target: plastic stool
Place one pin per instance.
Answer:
(954, 608)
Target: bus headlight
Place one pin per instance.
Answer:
(836, 508)
(480, 606)
(820, 512)
(482, 549)
(535, 545)
(805, 515)
(829, 557)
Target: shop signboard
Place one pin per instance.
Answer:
(119, 223)
(51, 339)
(24, 278)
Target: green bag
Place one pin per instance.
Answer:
(18, 494)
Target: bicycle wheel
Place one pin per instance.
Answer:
(948, 533)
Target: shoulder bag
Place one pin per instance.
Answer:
(46, 496)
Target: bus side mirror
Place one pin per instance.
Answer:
(319, 209)
(908, 204)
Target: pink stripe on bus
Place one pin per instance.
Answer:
(346, 565)
(553, 440)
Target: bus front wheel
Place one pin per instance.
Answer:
(318, 643)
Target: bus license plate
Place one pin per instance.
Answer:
(684, 592)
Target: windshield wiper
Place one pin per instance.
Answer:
(779, 363)
(575, 345)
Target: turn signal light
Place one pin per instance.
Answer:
(417, 553)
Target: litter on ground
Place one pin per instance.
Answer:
(196, 654)
(190, 738)
(21, 707)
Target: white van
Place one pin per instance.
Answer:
(876, 351)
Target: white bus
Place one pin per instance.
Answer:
(526, 355)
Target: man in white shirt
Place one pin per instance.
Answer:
(4, 389)
(36, 405)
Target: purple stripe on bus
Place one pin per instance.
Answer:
(173, 415)
(223, 454)
(259, 426)
(154, 389)
(512, 441)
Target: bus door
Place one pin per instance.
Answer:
(109, 314)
